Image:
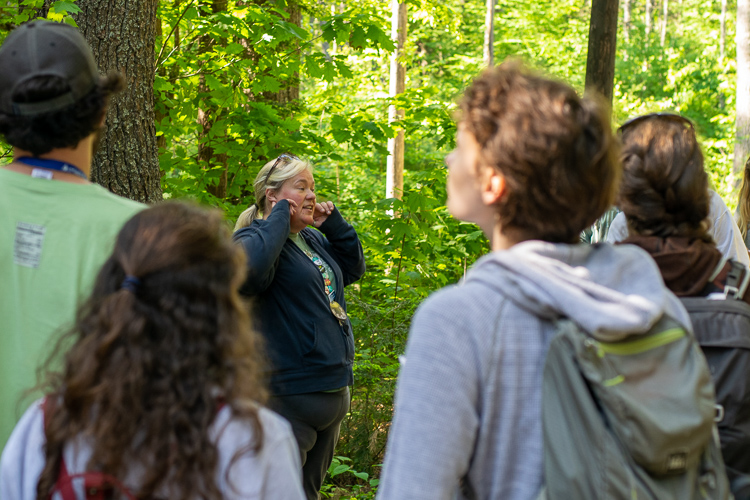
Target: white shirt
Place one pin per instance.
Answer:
(274, 472)
(723, 230)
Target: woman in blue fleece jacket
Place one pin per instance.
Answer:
(296, 279)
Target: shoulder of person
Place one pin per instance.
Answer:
(460, 305)
(23, 453)
(115, 200)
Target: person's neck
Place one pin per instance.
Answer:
(499, 240)
(79, 156)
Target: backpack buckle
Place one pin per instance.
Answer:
(719, 413)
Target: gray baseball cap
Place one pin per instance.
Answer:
(44, 48)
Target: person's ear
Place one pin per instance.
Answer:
(271, 195)
(492, 186)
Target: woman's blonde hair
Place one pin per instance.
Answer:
(286, 167)
(744, 201)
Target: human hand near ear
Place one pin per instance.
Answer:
(292, 206)
(321, 212)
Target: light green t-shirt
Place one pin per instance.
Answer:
(54, 237)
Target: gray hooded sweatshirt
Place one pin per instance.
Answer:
(468, 401)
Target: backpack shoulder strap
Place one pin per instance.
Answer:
(737, 281)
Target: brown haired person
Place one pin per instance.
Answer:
(296, 278)
(161, 391)
(56, 227)
(721, 227)
(533, 166)
(665, 199)
(664, 196)
(743, 206)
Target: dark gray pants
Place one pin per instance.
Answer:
(315, 418)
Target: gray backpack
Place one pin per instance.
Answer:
(632, 419)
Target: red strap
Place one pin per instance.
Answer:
(96, 484)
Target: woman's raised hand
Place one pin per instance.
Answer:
(321, 212)
(292, 206)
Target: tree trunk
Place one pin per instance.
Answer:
(742, 125)
(489, 34)
(600, 61)
(723, 40)
(122, 36)
(208, 115)
(626, 20)
(664, 15)
(649, 15)
(394, 182)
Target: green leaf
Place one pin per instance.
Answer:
(213, 82)
(161, 84)
(340, 469)
(64, 7)
(358, 38)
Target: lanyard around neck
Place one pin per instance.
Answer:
(47, 164)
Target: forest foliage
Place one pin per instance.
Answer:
(222, 66)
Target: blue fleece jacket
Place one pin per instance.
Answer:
(308, 349)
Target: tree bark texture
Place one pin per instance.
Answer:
(742, 125)
(600, 61)
(394, 182)
(664, 15)
(489, 34)
(122, 35)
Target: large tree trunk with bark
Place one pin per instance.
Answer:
(122, 35)
(742, 125)
(600, 61)
(394, 182)
(489, 34)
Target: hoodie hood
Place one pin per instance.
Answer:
(609, 292)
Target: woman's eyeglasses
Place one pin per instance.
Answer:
(286, 157)
(661, 116)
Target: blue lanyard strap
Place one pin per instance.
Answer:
(48, 164)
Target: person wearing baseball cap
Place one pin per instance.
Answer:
(56, 227)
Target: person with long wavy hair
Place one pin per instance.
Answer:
(743, 206)
(161, 392)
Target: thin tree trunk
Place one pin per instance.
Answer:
(742, 125)
(649, 15)
(600, 61)
(122, 35)
(489, 34)
(208, 116)
(664, 15)
(394, 183)
(723, 40)
(626, 21)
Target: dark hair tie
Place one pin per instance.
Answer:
(131, 284)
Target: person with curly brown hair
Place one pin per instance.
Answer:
(161, 393)
(534, 165)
